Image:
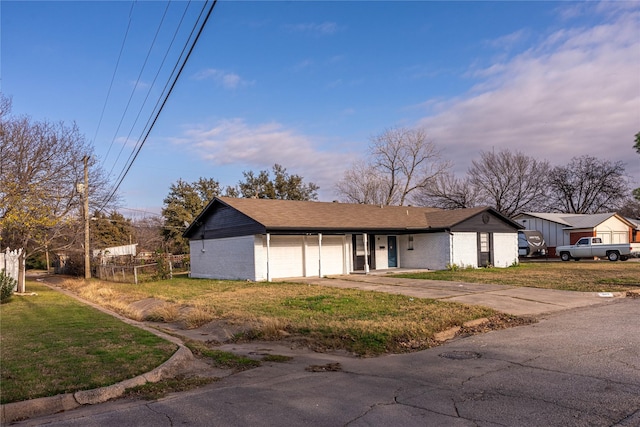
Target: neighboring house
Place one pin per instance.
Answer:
(566, 229)
(108, 254)
(634, 236)
(261, 239)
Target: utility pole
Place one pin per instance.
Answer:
(87, 258)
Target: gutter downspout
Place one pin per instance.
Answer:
(268, 256)
(365, 240)
(319, 254)
(451, 251)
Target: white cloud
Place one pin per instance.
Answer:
(223, 78)
(508, 41)
(576, 93)
(233, 141)
(324, 28)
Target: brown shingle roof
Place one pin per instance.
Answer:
(287, 214)
(297, 216)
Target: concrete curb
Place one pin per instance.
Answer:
(17, 411)
(452, 332)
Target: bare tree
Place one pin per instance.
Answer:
(510, 182)
(449, 192)
(401, 162)
(362, 184)
(148, 233)
(40, 166)
(588, 185)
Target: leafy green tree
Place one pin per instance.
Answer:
(111, 230)
(183, 204)
(186, 200)
(282, 186)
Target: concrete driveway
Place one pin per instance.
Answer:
(517, 300)
(577, 367)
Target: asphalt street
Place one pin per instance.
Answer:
(576, 367)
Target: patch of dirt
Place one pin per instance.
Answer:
(329, 367)
(215, 332)
(497, 322)
(147, 305)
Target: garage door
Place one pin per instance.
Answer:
(297, 256)
(287, 256)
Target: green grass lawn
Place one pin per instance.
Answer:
(362, 322)
(52, 344)
(584, 276)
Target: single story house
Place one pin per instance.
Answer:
(566, 229)
(261, 239)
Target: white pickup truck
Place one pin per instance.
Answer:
(589, 247)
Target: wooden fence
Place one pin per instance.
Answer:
(12, 262)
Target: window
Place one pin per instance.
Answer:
(359, 245)
(484, 242)
(410, 246)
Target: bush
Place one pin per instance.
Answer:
(7, 284)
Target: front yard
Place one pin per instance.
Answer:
(362, 322)
(53, 344)
(583, 276)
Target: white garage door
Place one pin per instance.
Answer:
(286, 256)
(298, 256)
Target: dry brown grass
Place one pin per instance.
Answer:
(166, 312)
(360, 321)
(194, 317)
(583, 276)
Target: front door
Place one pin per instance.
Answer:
(484, 249)
(359, 252)
(392, 251)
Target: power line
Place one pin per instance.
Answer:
(133, 90)
(173, 72)
(155, 119)
(152, 85)
(115, 70)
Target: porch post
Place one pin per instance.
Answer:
(319, 254)
(365, 241)
(268, 255)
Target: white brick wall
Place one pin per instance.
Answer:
(429, 251)
(505, 249)
(231, 258)
(465, 249)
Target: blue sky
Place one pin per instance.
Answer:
(307, 84)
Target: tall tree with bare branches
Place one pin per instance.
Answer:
(510, 182)
(401, 162)
(40, 167)
(450, 192)
(588, 185)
